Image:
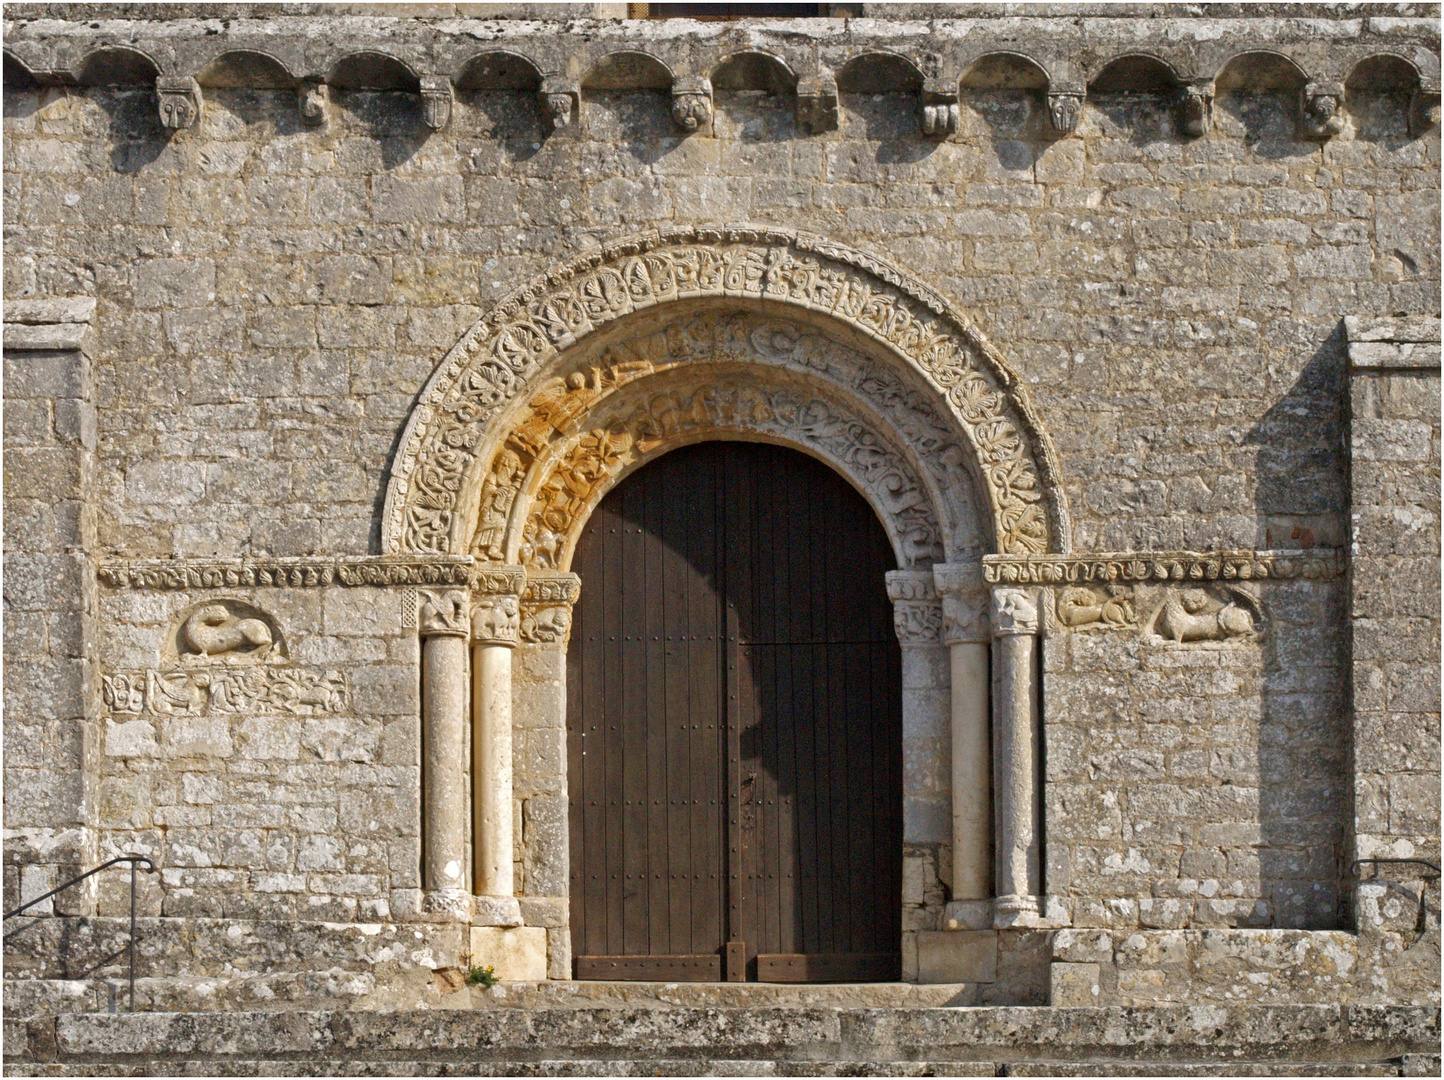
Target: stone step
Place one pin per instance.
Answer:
(781, 1041)
(339, 988)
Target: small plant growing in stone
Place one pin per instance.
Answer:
(482, 976)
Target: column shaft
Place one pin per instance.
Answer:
(972, 773)
(491, 769)
(443, 769)
(1018, 863)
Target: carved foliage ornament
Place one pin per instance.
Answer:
(500, 356)
(175, 574)
(201, 691)
(1162, 566)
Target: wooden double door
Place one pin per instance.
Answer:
(734, 731)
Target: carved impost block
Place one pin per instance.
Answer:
(179, 99)
(444, 614)
(546, 608)
(561, 101)
(939, 101)
(1195, 109)
(1321, 110)
(1015, 611)
(917, 614)
(692, 102)
(1065, 108)
(312, 97)
(435, 101)
(965, 602)
(817, 103)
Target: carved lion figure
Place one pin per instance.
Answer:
(1183, 618)
(214, 631)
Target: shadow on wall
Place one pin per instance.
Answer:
(1303, 742)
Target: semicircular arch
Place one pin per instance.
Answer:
(471, 404)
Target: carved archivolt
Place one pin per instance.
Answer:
(436, 480)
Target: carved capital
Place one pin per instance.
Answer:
(1195, 109)
(1321, 110)
(546, 608)
(917, 614)
(496, 620)
(435, 101)
(560, 100)
(817, 104)
(443, 614)
(692, 103)
(1065, 108)
(965, 602)
(1015, 611)
(179, 100)
(312, 97)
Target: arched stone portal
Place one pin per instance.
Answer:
(586, 375)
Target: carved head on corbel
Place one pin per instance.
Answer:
(1065, 108)
(435, 101)
(1321, 110)
(817, 104)
(179, 100)
(692, 103)
(939, 104)
(1195, 109)
(560, 101)
(312, 97)
(1423, 110)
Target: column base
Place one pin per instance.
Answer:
(496, 911)
(1029, 913)
(447, 905)
(968, 915)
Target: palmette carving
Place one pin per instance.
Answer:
(496, 359)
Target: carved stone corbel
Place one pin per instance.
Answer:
(692, 102)
(1321, 110)
(817, 103)
(1065, 108)
(179, 100)
(312, 98)
(1423, 110)
(1195, 109)
(435, 101)
(561, 101)
(939, 101)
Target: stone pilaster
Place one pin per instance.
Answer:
(1017, 786)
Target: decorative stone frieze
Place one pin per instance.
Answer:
(509, 351)
(435, 101)
(179, 100)
(285, 573)
(1144, 566)
(692, 103)
(222, 688)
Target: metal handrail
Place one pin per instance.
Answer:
(134, 860)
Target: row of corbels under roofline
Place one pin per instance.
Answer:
(1412, 72)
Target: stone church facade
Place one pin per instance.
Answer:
(328, 330)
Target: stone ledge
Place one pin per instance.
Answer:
(304, 572)
(980, 1038)
(1162, 566)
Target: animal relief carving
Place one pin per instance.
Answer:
(229, 631)
(201, 691)
(1081, 608)
(1198, 615)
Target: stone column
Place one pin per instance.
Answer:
(966, 634)
(444, 629)
(539, 701)
(495, 620)
(1015, 759)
